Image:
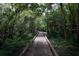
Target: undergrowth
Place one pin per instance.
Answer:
(12, 46)
(65, 47)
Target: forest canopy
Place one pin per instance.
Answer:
(18, 22)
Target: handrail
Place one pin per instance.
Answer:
(27, 46)
(51, 47)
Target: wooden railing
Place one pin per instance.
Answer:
(51, 47)
(28, 46)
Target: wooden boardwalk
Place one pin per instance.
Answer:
(39, 47)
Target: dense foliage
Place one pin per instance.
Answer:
(18, 23)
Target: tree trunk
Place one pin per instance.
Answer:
(63, 15)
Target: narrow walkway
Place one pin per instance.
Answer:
(39, 47)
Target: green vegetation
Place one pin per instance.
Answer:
(18, 23)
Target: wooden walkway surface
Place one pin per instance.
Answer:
(39, 47)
